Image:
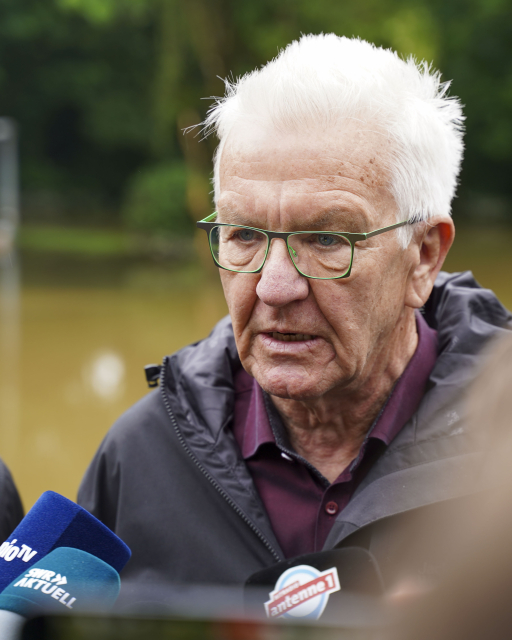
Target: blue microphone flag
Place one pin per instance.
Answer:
(65, 580)
(53, 522)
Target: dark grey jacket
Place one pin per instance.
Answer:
(170, 481)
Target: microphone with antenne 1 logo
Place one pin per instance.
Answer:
(53, 522)
(64, 581)
(339, 586)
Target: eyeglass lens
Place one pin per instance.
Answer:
(318, 255)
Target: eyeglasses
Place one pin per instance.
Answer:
(320, 255)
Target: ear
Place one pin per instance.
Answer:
(429, 246)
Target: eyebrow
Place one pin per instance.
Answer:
(327, 220)
(231, 216)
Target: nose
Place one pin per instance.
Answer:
(280, 282)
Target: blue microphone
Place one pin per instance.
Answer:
(53, 522)
(64, 581)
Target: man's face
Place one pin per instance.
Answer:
(302, 338)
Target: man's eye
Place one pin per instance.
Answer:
(246, 234)
(326, 240)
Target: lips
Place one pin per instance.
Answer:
(291, 337)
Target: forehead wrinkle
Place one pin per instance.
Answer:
(317, 173)
(273, 178)
(322, 182)
(326, 219)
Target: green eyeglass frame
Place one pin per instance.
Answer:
(208, 224)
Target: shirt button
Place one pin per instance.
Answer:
(331, 508)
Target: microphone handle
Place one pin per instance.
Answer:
(10, 625)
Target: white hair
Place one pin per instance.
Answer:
(320, 80)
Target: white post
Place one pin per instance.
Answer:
(9, 292)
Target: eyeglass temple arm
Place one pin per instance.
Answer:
(384, 229)
(210, 218)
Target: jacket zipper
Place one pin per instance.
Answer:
(210, 479)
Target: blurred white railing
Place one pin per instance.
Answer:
(9, 291)
(9, 189)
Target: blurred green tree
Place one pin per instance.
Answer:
(155, 201)
(103, 89)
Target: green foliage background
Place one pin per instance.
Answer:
(102, 90)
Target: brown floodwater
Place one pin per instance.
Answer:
(76, 334)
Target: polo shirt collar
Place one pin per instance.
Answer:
(398, 409)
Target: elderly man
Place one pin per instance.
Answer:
(325, 410)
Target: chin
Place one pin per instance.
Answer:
(292, 384)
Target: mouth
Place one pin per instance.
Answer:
(291, 337)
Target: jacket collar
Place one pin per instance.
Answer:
(199, 381)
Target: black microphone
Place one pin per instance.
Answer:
(337, 586)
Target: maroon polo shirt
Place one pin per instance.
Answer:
(301, 503)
